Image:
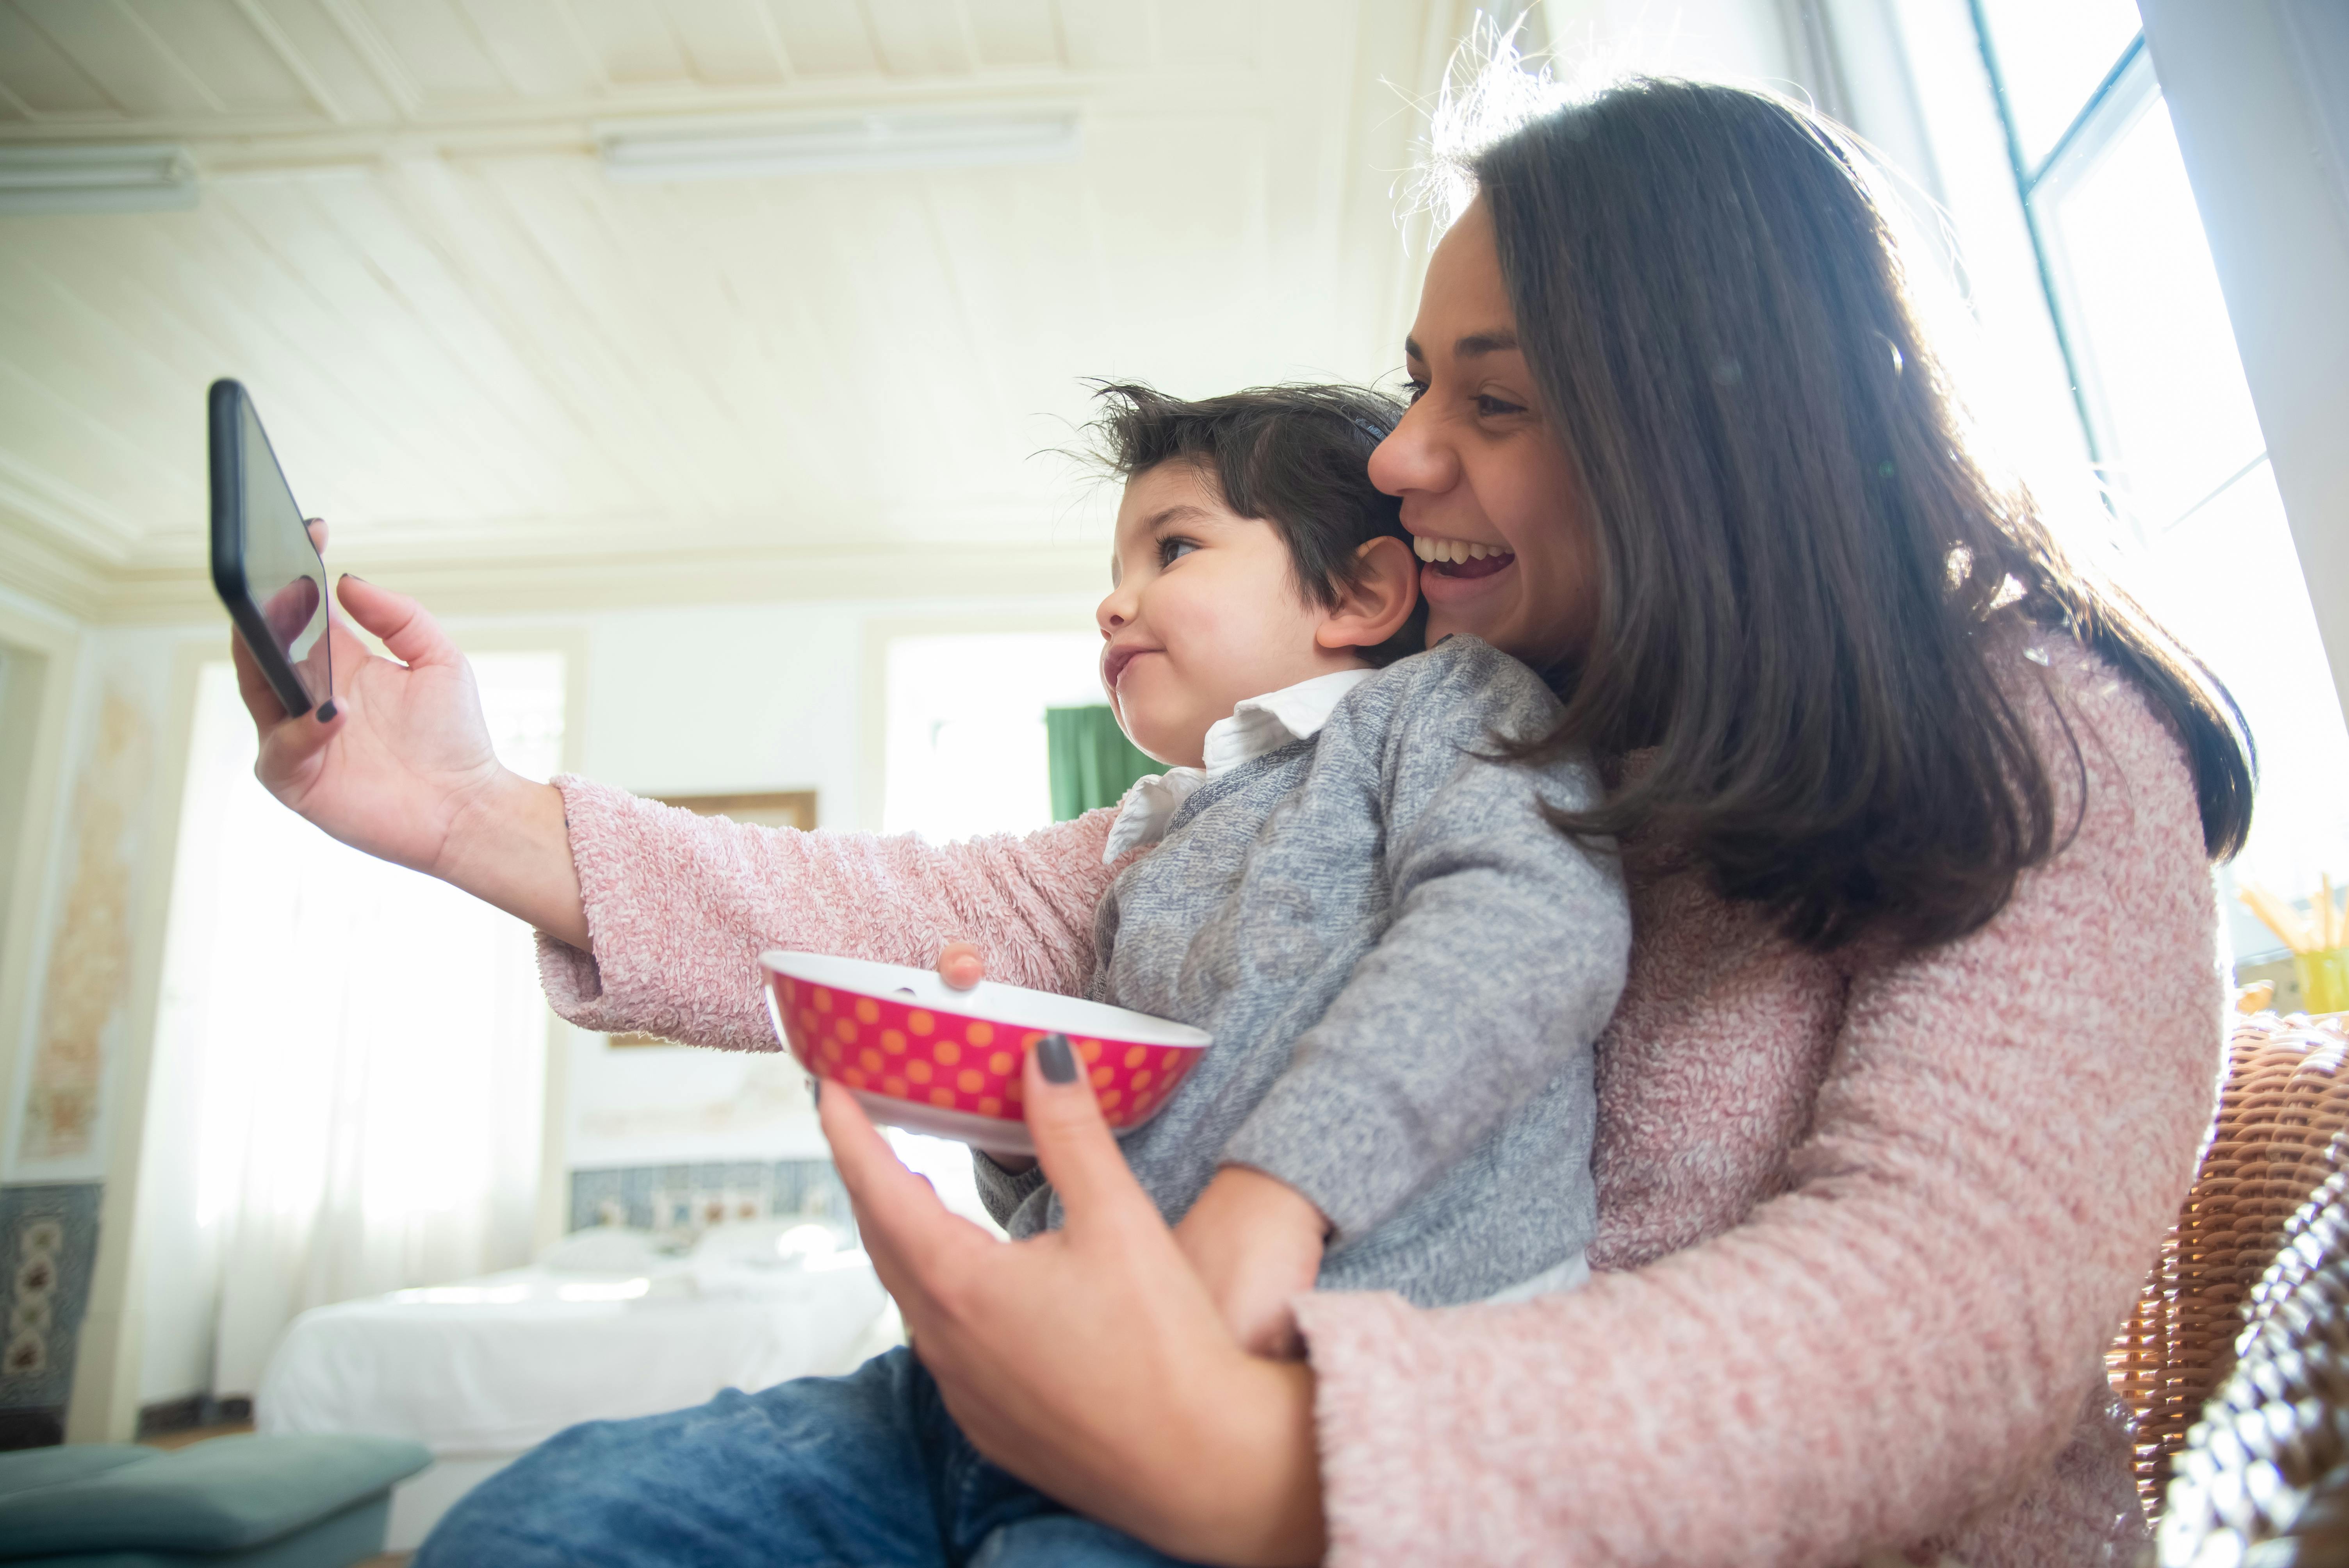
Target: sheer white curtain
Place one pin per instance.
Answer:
(367, 1044)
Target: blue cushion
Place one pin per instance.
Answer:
(338, 1540)
(29, 1468)
(226, 1495)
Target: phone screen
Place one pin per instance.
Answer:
(282, 573)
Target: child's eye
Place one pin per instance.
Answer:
(1174, 548)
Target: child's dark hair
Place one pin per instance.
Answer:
(1295, 457)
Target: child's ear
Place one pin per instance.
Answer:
(1375, 606)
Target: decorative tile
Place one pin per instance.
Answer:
(89, 961)
(690, 1198)
(48, 1245)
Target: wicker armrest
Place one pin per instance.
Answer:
(2284, 1103)
(2264, 1480)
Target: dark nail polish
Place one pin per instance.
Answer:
(327, 711)
(1058, 1062)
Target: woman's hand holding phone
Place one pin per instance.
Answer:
(404, 769)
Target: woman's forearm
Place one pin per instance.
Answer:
(1269, 1510)
(510, 846)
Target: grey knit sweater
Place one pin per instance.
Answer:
(1404, 967)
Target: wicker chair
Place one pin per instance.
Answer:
(2264, 1480)
(2284, 1104)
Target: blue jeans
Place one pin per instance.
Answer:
(863, 1472)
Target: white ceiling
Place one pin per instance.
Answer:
(488, 364)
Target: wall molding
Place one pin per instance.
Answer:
(74, 518)
(105, 595)
(65, 581)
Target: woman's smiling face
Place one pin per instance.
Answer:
(1489, 491)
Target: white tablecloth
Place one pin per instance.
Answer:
(499, 1364)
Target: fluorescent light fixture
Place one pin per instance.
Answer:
(893, 140)
(44, 179)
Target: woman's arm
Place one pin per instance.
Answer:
(1902, 1342)
(680, 906)
(656, 916)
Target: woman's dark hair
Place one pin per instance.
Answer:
(1802, 573)
(1296, 458)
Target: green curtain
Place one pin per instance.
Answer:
(1093, 762)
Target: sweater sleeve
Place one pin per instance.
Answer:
(1003, 1191)
(1905, 1336)
(1503, 958)
(680, 906)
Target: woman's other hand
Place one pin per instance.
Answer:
(1091, 1361)
(405, 770)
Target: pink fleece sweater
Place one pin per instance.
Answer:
(1866, 1223)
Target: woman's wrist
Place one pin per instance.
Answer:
(508, 844)
(1258, 1503)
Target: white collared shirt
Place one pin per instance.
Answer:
(1258, 725)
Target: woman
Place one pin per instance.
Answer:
(1923, 1019)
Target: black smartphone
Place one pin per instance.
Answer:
(264, 567)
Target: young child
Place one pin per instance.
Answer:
(1402, 963)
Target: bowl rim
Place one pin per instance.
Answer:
(990, 1001)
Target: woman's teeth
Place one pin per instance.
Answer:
(1455, 550)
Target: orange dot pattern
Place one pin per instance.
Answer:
(956, 1063)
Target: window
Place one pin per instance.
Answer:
(359, 1051)
(966, 748)
(2160, 394)
(966, 753)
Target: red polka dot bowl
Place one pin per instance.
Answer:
(922, 1056)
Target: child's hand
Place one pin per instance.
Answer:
(1256, 1242)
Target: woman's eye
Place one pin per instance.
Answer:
(1170, 550)
(1413, 391)
(1492, 408)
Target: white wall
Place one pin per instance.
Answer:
(84, 986)
(713, 700)
(41, 647)
(683, 700)
(734, 697)
(92, 899)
